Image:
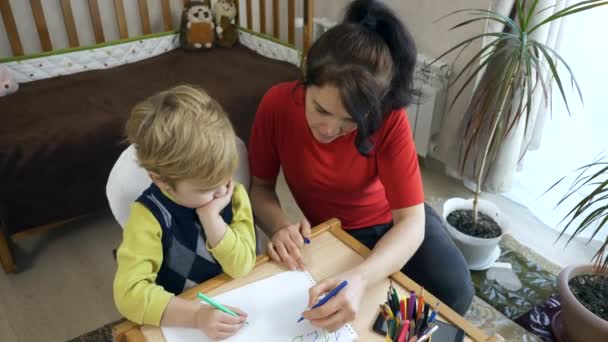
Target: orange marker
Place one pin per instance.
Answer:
(420, 303)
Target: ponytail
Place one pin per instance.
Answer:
(379, 18)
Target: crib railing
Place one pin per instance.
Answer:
(69, 21)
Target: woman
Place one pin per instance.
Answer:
(343, 140)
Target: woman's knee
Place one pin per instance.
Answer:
(462, 303)
(460, 297)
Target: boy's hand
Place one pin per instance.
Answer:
(210, 218)
(214, 207)
(219, 325)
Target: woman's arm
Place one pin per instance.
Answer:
(393, 250)
(286, 238)
(266, 207)
(397, 246)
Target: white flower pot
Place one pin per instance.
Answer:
(479, 253)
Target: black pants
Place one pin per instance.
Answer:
(437, 265)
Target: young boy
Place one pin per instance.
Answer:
(192, 223)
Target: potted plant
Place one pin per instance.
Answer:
(509, 67)
(583, 289)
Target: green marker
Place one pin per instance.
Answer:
(217, 305)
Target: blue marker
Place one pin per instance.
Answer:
(329, 296)
(307, 240)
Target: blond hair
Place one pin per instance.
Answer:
(182, 133)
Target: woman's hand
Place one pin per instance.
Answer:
(341, 309)
(287, 242)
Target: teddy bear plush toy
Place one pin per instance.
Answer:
(197, 28)
(225, 26)
(8, 85)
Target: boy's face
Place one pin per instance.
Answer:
(192, 193)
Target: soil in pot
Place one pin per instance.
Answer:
(591, 290)
(486, 227)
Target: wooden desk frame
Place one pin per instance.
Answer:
(130, 332)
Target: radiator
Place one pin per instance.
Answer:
(426, 112)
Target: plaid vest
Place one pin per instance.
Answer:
(186, 260)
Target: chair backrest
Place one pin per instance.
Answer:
(128, 180)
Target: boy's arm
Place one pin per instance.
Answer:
(236, 250)
(136, 294)
(139, 258)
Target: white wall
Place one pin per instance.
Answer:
(419, 15)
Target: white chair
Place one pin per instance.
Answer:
(128, 180)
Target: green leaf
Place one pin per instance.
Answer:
(569, 11)
(530, 12)
(529, 89)
(520, 13)
(455, 60)
(478, 56)
(555, 74)
(579, 209)
(539, 71)
(581, 181)
(470, 21)
(502, 18)
(546, 8)
(589, 219)
(521, 86)
(491, 103)
(473, 75)
(572, 77)
(468, 41)
(600, 225)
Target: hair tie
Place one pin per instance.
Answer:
(369, 22)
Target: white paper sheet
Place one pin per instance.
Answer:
(274, 306)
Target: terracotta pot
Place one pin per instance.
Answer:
(580, 323)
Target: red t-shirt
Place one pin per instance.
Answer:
(334, 180)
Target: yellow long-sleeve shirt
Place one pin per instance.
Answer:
(140, 256)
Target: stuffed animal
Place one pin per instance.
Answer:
(225, 14)
(197, 28)
(8, 85)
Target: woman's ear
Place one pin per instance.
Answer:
(158, 180)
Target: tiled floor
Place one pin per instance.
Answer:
(64, 287)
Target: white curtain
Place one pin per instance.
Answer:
(451, 134)
(568, 142)
(501, 172)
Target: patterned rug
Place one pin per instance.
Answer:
(529, 300)
(537, 285)
(103, 334)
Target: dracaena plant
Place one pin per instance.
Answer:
(512, 65)
(591, 212)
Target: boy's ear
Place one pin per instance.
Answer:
(158, 180)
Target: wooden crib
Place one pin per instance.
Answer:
(61, 134)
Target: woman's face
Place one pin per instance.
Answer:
(325, 113)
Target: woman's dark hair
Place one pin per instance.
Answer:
(370, 57)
